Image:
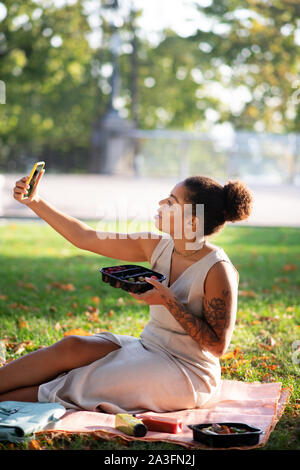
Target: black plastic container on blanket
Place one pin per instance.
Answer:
(248, 438)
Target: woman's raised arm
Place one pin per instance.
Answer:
(128, 247)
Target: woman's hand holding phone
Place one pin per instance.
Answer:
(21, 188)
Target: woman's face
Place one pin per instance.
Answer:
(174, 214)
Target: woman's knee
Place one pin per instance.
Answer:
(79, 350)
(68, 347)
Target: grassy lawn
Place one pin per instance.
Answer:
(49, 288)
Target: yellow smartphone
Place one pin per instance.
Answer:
(35, 172)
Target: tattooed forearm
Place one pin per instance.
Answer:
(208, 331)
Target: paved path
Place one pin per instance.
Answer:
(104, 197)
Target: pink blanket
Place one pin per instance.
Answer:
(256, 404)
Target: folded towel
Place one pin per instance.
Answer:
(18, 419)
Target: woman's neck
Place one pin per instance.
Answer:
(188, 248)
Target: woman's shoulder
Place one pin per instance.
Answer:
(221, 272)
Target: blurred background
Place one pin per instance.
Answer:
(124, 98)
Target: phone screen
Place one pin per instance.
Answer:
(36, 171)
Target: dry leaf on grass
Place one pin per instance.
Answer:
(93, 316)
(247, 293)
(34, 445)
(232, 354)
(289, 267)
(67, 287)
(27, 285)
(21, 323)
(78, 332)
(290, 309)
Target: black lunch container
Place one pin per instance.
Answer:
(118, 276)
(249, 438)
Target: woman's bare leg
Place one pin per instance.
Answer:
(45, 364)
(21, 394)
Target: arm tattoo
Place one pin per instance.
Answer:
(208, 330)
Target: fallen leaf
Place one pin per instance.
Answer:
(95, 299)
(27, 285)
(266, 378)
(78, 332)
(93, 316)
(22, 323)
(24, 307)
(34, 445)
(18, 347)
(255, 322)
(272, 366)
(265, 346)
(247, 293)
(21, 348)
(268, 318)
(14, 305)
(68, 287)
(92, 309)
(290, 309)
(3, 297)
(100, 330)
(232, 354)
(227, 356)
(289, 267)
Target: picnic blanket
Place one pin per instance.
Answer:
(256, 404)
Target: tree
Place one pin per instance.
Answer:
(45, 61)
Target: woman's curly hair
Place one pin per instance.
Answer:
(229, 203)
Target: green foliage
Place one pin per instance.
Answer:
(51, 93)
(57, 85)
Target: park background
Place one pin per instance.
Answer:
(122, 99)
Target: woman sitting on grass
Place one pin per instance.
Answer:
(174, 364)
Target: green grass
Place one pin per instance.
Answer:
(37, 312)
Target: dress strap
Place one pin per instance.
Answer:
(160, 247)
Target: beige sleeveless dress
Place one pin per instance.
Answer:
(162, 370)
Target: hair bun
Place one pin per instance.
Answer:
(237, 201)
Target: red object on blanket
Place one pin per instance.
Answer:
(162, 424)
